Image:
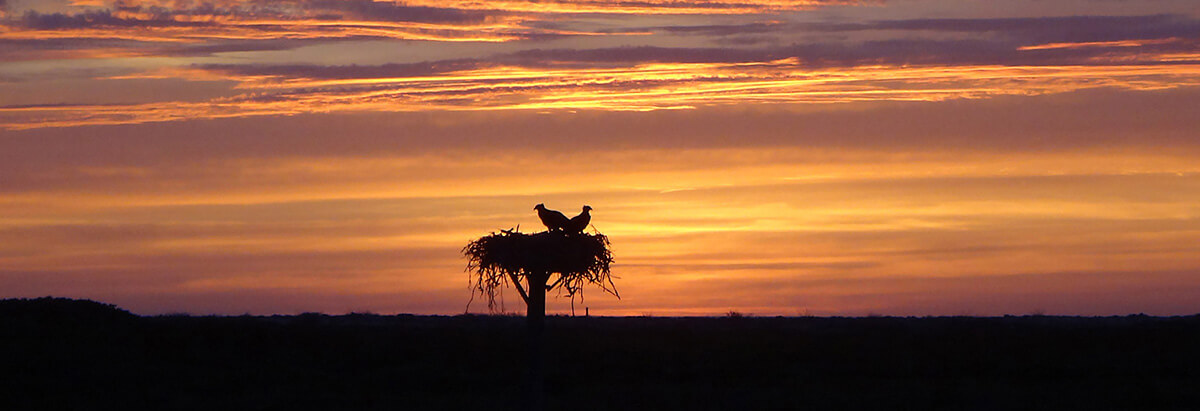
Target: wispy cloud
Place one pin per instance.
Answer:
(207, 25)
(641, 6)
(291, 90)
(999, 56)
(187, 23)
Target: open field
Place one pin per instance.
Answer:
(65, 354)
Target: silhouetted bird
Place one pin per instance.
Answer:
(553, 219)
(580, 222)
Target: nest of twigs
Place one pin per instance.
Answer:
(512, 257)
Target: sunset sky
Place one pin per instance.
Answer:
(773, 157)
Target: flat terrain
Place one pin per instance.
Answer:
(68, 354)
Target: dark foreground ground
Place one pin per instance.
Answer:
(65, 354)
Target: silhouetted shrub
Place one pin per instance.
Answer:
(62, 310)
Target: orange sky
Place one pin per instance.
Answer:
(920, 157)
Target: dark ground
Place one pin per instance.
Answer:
(70, 354)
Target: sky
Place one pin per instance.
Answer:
(771, 157)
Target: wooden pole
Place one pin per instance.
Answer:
(536, 321)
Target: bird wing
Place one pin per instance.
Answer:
(559, 218)
(552, 219)
(580, 222)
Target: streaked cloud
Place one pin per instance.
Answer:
(641, 87)
(140, 23)
(639, 7)
(268, 21)
(770, 157)
(1000, 56)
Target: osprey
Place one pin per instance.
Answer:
(580, 222)
(553, 219)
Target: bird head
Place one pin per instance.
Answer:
(539, 206)
(587, 208)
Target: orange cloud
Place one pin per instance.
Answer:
(471, 21)
(642, 7)
(295, 30)
(1119, 43)
(638, 88)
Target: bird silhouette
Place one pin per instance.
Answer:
(553, 219)
(580, 222)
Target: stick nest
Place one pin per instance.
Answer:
(511, 257)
